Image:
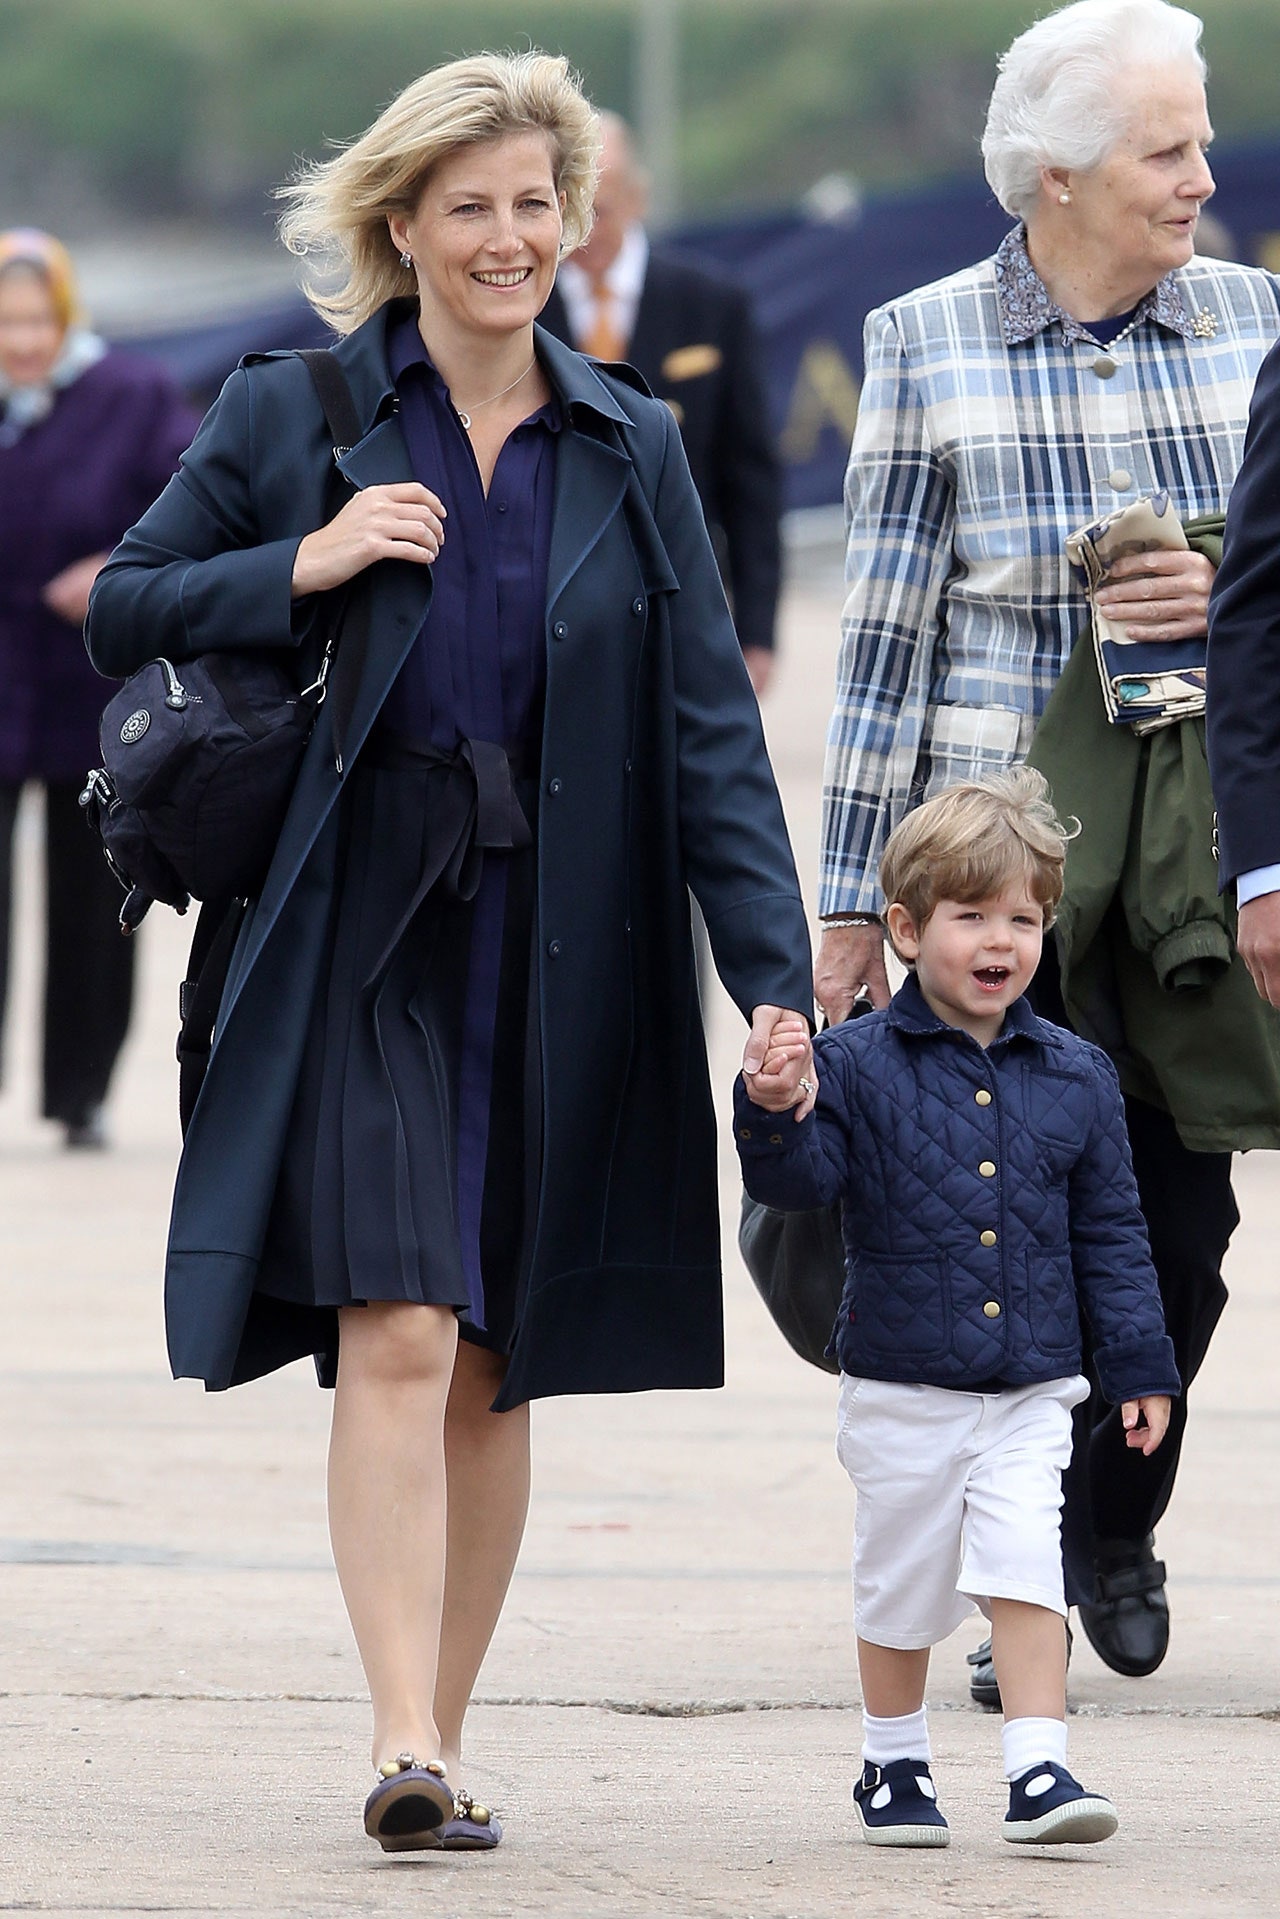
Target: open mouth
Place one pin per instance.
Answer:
(514, 278)
(991, 978)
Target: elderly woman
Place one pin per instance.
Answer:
(87, 440)
(1093, 360)
(456, 1137)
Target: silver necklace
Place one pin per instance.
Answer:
(1106, 363)
(466, 417)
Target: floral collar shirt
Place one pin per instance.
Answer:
(985, 436)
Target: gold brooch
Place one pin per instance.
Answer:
(1205, 324)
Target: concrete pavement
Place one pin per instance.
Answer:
(667, 1719)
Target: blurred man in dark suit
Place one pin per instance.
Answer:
(691, 334)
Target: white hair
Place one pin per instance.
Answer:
(1054, 103)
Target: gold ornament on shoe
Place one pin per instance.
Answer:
(465, 1807)
(405, 1762)
(1205, 324)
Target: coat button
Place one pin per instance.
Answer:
(775, 1139)
(744, 1132)
(987, 1239)
(553, 948)
(553, 787)
(991, 1309)
(988, 1169)
(637, 607)
(559, 631)
(982, 1096)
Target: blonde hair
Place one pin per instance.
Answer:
(973, 840)
(339, 207)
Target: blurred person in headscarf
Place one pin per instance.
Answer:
(88, 437)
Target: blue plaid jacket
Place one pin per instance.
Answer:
(984, 438)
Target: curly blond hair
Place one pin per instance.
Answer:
(338, 208)
(975, 838)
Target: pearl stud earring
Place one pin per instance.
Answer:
(1064, 198)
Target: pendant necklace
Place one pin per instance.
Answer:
(1106, 363)
(466, 417)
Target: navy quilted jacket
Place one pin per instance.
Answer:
(988, 1200)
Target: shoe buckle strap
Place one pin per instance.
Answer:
(1129, 1582)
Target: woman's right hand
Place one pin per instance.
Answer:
(849, 958)
(401, 522)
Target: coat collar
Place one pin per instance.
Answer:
(365, 360)
(1027, 307)
(910, 1012)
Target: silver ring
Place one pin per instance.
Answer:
(808, 1088)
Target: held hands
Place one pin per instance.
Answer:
(849, 958)
(400, 522)
(785, 1077)
(1154, 1408)
(1159, 596)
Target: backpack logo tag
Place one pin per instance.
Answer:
(135, 726)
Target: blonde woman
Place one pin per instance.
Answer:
(455, 1138)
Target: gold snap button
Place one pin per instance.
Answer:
(982, 1096)
(775, 1139)
(991, 1309)
(988, 1169)
(744, 1132)
(987, 1239)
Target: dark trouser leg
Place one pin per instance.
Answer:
(1191, 1214)
(88, 964)
(1110, 1492)
(9, 797)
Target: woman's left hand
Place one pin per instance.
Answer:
(1159, 596)
(67, 593)
(763, 1021)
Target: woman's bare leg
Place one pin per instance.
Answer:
(387, 1508)
(487, 1462)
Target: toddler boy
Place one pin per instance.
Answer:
(988, 1198)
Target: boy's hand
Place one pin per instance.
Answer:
(787, 1077)
(1154, 1408)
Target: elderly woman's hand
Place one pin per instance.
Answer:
(849, 958)
(1159, 596)
(400, 522)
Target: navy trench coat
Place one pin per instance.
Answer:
(655, 780)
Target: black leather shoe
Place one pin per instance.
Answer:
(1128, 1623)
(984, 1687)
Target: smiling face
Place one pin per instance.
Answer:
(1139, 207)
(31, 333)
(973, 958)
(485, 237)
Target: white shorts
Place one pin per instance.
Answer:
(959, 1502)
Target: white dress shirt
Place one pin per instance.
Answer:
(624, 279)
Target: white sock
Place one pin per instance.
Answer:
(884, 1740)
(1029, 1743)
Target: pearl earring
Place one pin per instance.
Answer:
(406, 259)
(1064, 198)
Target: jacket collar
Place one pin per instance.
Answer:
(1027, 307)
(910, 1012)
(365, 360)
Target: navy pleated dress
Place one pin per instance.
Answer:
(411, 1166)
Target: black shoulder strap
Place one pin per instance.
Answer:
(350, 615)
(200, 996)
(345, 424)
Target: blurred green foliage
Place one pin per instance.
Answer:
(199, 106)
